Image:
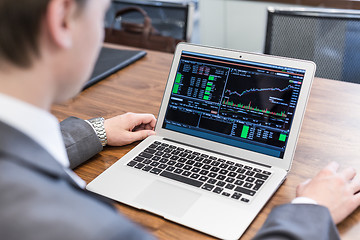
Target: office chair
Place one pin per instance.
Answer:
(329, 37)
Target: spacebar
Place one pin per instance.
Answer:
(181, 178)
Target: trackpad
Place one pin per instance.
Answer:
(165, 198)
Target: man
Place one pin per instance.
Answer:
(47, 51)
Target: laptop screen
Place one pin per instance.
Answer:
(245, 104)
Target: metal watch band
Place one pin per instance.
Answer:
(98, 125)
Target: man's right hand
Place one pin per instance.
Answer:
(338, 191)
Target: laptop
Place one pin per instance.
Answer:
(225, 140)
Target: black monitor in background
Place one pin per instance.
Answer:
(110, 61)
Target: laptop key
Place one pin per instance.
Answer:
(230, 186)
(174, 157)
(245, 200)
(178, 171)
(149, 150)
(156, 158)
(214, 169)
(239, 182)
(212, 181)
(230, 180)
(212, 175)
(226, 194)
(223, 165)
(182, 179)
(256, 187)
(171, 162)
(147, 161)
(203, 178)
(162, 166)
(259, 182)
(145, 155)
(164, 160)
(146, 168)
(218, 190)
(239, 165)
(154, 164)
(170, 168)
(232, 168)
(179, 165)
(153, 146)
(166, 155)
(250, 179)
(241, 177)
(232, 174)
(261, 176)
(138, 159)
(250, 173)
(160, 148)
(220, 184)
(195, 176)
(159, 153)
(221, 177)
(236, 195)
(195, 170)
(208, 187)
(206, 167)
(131, 163)
(245, 191)
(155, 171)
(230, 162)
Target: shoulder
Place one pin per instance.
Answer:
(50, 208)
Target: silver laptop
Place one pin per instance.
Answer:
(225, 140)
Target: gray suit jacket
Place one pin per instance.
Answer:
(38, 200)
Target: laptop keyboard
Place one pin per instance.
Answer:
(222, 177)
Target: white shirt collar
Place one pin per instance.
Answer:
(36, 123)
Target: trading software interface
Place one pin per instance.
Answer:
(240, 103)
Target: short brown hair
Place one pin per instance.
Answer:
(19, 29)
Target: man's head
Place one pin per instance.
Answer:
(63, 35)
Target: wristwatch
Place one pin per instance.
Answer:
(98, 125)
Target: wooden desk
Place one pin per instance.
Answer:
(330, 131)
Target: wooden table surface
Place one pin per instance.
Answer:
(330, 131)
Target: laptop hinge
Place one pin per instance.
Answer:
(224, 154)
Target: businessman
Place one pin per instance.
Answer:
(47, 51)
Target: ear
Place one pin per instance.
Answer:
(59, 20)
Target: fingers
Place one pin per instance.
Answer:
(333, 167)
(348, 173)
(140, 135)
(144, 119)
(355, 184)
